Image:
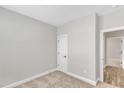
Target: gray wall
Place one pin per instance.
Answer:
(112, 20)
(82, 46)
(113, 48)
(27, 47)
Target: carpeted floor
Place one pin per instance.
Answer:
(59, 79)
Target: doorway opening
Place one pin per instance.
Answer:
(112, 57)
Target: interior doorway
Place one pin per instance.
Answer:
(112, 57)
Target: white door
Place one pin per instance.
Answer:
(62, 52)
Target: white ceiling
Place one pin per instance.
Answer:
(59, 14)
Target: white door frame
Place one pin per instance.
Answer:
(58, 36)
(102, 48)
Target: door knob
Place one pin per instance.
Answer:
(64, 56)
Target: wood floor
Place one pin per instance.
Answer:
(59, 79)
(114, 76)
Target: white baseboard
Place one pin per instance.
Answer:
(29, 79)
(82, 78)
(47, 72)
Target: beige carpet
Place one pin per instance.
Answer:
(59, 79)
